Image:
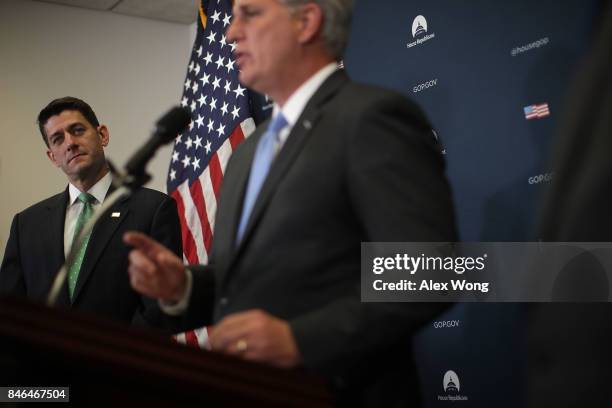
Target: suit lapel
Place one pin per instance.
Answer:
(55, 240)
(228, 215)
(100, 236)
(236, 189)
(281, 165)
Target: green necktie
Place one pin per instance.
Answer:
(73, 269)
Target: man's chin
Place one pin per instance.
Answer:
(247, 80)
(79, 166)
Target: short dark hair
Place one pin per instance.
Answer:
(57, 106)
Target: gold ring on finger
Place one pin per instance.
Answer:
(241, 345)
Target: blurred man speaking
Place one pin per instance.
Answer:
(338, 163)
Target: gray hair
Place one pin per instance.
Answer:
(336, 22)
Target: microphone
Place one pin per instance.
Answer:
(166, 129)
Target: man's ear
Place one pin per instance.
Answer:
(104, 135)
(52, 157)
(310, 18)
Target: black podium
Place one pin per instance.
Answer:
(106, 363)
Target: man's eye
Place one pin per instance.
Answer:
(250, 12)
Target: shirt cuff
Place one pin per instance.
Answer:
(178, 308)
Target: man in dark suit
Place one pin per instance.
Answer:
(338, 164)
(570, 350)
(41, 235)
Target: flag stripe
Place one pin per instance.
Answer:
(179, 338)
(216, 174)
(210, 200)
(189, 245)
(224, 153)
(236, 137)
(248, 127)
(192, 221)
(202, 335)
(198, 200)
(191, 338)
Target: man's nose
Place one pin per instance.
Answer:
(231, 32)
(69, 140)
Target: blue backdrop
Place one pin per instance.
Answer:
(474, 67)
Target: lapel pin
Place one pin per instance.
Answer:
(116, 215)
(307, 124)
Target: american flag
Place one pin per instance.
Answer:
(221, 119)
(536, 111)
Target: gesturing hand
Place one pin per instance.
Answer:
(154, 270)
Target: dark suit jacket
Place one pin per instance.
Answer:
(570, 344)
(360, 164)
(35, 252)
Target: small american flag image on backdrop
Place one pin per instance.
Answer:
(537, 111)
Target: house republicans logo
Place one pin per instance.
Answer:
(419, 26)
(419, 32)
(451, 382)
(452, 386)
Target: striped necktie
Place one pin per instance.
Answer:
(79, 253)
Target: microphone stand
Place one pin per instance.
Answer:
(125, 185)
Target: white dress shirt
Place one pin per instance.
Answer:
(99, 191)
(293, 108)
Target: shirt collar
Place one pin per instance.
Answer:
(293, 108)
(98, 190)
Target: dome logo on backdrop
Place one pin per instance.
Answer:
(451, 381)
(419, 26)
(419, 32)
(451, 386)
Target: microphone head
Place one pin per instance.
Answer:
(172, 123)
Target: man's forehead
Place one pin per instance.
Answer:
(245, 3)
(64, 119)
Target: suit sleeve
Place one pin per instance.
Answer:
(398, 190)
(166, 229)
(11, 274)
(201, 304)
